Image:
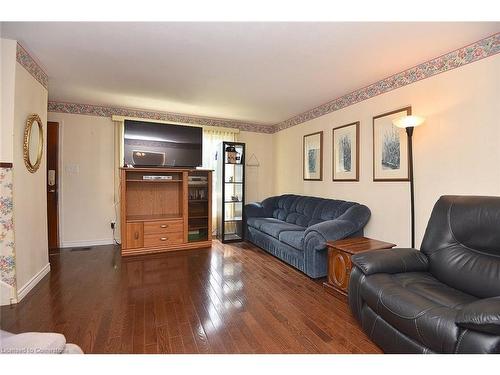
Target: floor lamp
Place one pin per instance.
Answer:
(409, 123)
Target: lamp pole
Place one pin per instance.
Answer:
(409, 123)
(409, 132)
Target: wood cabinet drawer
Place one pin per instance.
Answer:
(166, 226)
(163, 239)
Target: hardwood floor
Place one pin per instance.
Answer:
(227, 299)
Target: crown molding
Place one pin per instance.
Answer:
(474, 52)
(105, 111)
(30, 64)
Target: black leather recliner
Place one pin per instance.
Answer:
(442, 299)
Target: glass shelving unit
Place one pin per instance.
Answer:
(231, 191)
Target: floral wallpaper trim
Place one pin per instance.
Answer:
(479, 50)
(104, 111)
(7, 257)
(25, 59)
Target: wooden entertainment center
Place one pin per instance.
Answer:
(165, 209)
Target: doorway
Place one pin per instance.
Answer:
(53, 184)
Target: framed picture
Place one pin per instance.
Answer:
(345, 160)
(390, 148)
(313, 157)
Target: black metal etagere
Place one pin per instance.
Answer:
(230, 191)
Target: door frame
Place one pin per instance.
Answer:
(60, 164)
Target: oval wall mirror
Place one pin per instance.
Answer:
(33, 143)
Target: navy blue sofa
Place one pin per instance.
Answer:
(295, 228)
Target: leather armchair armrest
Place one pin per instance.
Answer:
(482, 315)
(391, 261)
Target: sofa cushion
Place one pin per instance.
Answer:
(256, 222)
(307, 211)
(418, 305)
(293, 238)
(272, 226)
(274, 229)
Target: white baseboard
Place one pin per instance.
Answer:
(25, 289)
(85, 243)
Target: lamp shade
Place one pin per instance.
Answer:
(408, 121)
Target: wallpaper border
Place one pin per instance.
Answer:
(481, 49)
(29, 63)
(108, 111)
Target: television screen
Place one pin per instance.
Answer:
(148, 144)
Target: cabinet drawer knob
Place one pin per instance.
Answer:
(164, 226)
(136, 235)
(164, 238)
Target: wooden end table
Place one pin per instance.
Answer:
(339, 261)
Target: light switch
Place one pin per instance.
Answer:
(72, 169)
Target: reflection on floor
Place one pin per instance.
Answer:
(227, 299)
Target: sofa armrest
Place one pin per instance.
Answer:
(255, 210)
(350, 222)
(261, 209)
(391, 261)
(482, 315)
(331, 230)
(315, 238)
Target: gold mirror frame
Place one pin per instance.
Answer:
(26, 146)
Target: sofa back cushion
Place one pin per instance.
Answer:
(307, 211)
(462, 241)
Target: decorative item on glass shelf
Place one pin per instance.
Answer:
(345, 159)
(232, 156)
(390, 147)
(313, 157)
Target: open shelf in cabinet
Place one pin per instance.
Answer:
(158, 214)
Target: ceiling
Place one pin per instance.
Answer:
(257, 72)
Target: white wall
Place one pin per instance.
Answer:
(7, 80)
(456, 150)
(86, 190)
(259, 180)
(30, 197)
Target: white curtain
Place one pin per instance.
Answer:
(118, 146)
(212, 138)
